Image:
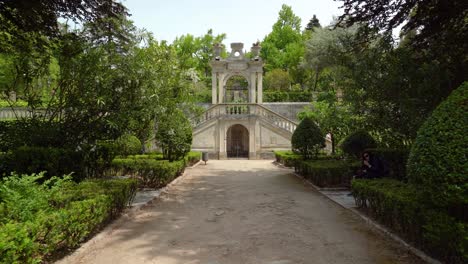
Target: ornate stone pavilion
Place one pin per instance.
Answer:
(237, 124)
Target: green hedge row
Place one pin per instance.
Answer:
(327, 172)
(38, 221)
(287, 157)
(54, 161)
(150, 172)
(291, 96)
(395, 160)
(399, 206)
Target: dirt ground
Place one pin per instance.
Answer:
(242, 212)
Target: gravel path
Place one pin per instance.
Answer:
(242, 212)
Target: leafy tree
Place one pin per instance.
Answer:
(333, 119)
(307, 139)
(435, 26)
(195, 53)
(283, 47)
(174, 135)
(42, 16)
(313, 24)
(277, 79)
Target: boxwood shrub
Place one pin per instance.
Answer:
(327, 173)
(39, 220)
(398, 206)
(438, 162)
(355, 143)
(307, 139)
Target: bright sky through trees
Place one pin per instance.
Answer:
(242, 20)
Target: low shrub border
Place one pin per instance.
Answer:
(395, 159)
(327, 172)
(398, 206)
(38, 221)
(287, 157)
(152, 172)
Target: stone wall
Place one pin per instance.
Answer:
(289, 109)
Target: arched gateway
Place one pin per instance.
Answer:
(237, 124)
(237, 142)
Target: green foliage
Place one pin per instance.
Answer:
(326, 172)
(150, 173)
(128, 145)
(401, 207)
(174, 135)
(53, 161)
(355, 143)
(287, 96)
(283, 47)
(395, 159)
(437, 160)
(277, 79)
(287, 158)
(333, 119)
(38, 220)
(307, 139)
(193, 157)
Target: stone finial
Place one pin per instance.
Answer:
(217, 48)
(255, 50)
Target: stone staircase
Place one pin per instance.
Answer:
(242, 111)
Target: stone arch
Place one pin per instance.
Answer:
(237, 141)
(236, 64)
(237, 89)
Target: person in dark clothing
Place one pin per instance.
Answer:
(372, 167)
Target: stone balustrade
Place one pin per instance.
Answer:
(242, 110)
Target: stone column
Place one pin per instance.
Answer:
(221, 88)
(214, 82)
(222, 140)
(253, 89)
(259, 88)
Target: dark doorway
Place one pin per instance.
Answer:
(237, 142)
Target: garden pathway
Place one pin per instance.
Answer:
(242, 212)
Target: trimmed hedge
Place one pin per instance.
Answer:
(40, 220)
(398, 206)
(152, 173)
(394, 159)
(438, 159)
(327, 173)
(287, 157)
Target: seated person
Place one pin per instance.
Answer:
(372, 167)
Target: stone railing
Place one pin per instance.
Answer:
(8, 113)
(241, 110)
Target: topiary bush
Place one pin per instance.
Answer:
(438, 161)
(128, 145)
(355, 143)
(307, 139)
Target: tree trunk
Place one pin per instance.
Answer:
(332, 139)
(316, 78)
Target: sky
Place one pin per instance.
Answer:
(242, 20)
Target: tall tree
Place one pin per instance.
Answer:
(439, 28)
(283, 47)
(313, 24)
